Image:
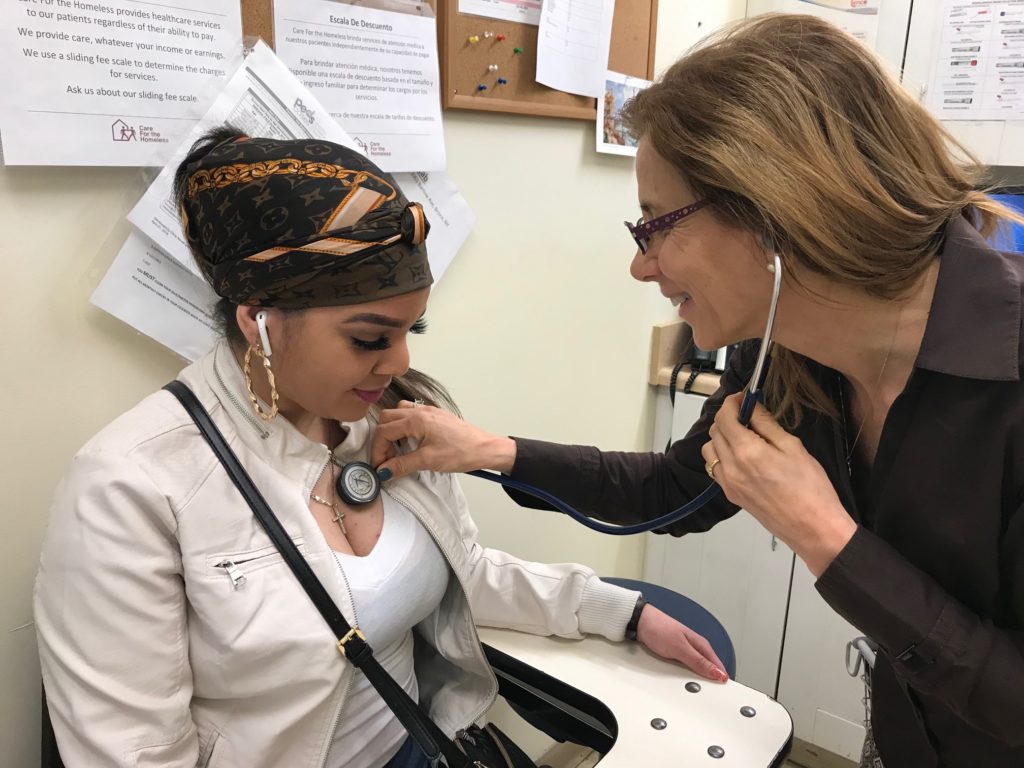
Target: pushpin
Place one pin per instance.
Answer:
(517, 50)
(481, 87)
(474, 39)
(502, 81)
(488, 34)
(500, 39)
(492, 67)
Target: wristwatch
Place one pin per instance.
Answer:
(634, 620)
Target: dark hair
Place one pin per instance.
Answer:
(202, 146)
(227, 325)
(413, 385)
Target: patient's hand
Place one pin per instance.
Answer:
(666, 637)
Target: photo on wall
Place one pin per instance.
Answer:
(612, 136)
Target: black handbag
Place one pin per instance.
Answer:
(474, 747)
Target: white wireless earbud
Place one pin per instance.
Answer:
(261, 323)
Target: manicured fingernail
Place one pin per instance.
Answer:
(719, 675)
(384, 474)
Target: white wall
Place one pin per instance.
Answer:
(682, 23)
(536, 328)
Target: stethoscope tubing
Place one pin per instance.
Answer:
(750, 400)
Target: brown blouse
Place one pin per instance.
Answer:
(935, 571)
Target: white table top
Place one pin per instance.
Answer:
(639, 687)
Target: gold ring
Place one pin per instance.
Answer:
(710, 467)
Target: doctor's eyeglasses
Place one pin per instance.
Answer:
(642, 231)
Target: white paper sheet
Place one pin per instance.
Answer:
(977, 70)
(451, 219)
(858, 17)
(156, 295)
(109, 83)
(262, 98)
(612, 136)
(375, 71)
(520, 11)
(573, 43)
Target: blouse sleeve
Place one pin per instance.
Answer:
(564, 599)
(938, 645)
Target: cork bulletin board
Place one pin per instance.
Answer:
(464, 65)
(258, 19)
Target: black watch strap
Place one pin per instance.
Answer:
(634, 620)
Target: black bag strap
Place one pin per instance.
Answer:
(351, 643)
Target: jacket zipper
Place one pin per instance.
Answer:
(325, 751)
(348, 683)
(492, 697)
(263, 431)
(235, 573)
(231, 568)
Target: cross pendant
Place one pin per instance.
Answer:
(339, 518)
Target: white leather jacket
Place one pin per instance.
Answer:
(155, 653)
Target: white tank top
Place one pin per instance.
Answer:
(396, 586)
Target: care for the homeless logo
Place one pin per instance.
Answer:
(120, 130)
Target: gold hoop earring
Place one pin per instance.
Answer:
(247, 369)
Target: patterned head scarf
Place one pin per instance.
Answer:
(303, 223)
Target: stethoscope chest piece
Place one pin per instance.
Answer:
(358, 483)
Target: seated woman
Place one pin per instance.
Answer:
(170, 631)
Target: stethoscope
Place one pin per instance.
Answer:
(359, 484)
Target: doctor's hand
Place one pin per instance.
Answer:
(768, 472)
(666, 637)
(443, 442)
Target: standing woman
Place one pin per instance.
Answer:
(890, 453)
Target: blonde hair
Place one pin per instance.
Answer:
(790, 128)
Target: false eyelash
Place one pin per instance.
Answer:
(383, 343)
(377, 345)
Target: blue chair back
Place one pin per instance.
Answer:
(686, 611)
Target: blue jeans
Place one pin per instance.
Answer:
(409, 756)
